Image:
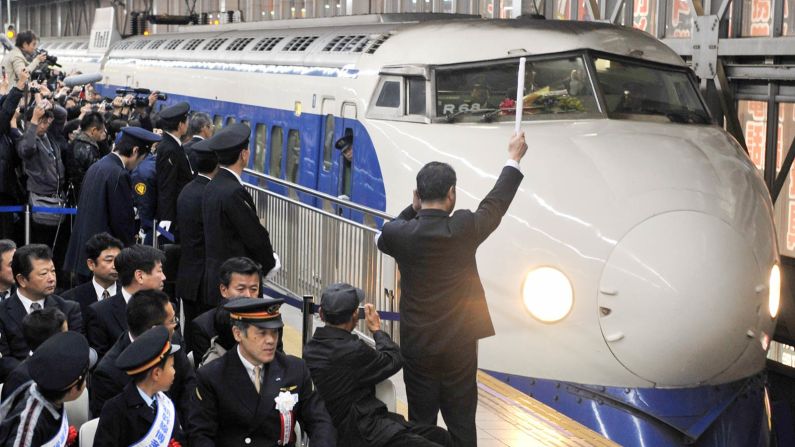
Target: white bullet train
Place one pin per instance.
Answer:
(634, 281)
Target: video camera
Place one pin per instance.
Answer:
(44, 72)
(140, 96)
(50, 59)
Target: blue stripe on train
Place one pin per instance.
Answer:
(731, 414)
(367, 180)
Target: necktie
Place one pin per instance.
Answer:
(105, 294)
(257, 378)
(4, 295)
(154, 404)
(35, 306)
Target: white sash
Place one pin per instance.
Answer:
(60, 438)
(160, 432)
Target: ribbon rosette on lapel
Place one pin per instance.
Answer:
(285, 402)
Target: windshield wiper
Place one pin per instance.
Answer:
(450, 117)
(688, 117)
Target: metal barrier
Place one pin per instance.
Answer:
(318, 248)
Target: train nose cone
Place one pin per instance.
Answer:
(679, 298)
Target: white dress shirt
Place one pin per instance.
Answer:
(99, 289)
(127, 295)
(249, 367)
(26, 302)
(148, 400)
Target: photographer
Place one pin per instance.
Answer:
(11, 189)
(84, 150)
(23, 56)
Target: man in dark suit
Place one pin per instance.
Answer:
(142, 413)
(140, 268)
(101, 251)
(7, 282)
(190, 275)
(231, 225)
(172, 165)
(443, 306)
(35, 275)
(146, 309)
(346, 370)
(106, 200)
(236, 393)
(200, 128)
(240, 277)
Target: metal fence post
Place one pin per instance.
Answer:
(27, 224)
(154, 233)
(307, 311)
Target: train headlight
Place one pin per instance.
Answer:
(547, 294)
(774, 288)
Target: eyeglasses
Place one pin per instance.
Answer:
(173, 322)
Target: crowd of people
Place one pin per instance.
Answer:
(91, 306)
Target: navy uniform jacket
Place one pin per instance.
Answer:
(145, 187)
(438, 271)
(105, 204)
(43, 416)
(173, 173)
(13, 346)
(126, 419)
(231, 228)
(106, 320)
(190, 275)
(202, 331)
(107, 381)
(230, 411)
(188, 146)
(18, 377)
(346, 370)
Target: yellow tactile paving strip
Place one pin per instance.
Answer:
(530, 423)
(506, 417)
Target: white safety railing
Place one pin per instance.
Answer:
(318, 247)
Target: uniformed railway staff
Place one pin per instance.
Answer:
(253, 395)
(34, 414)
(231, 225)
(172, 165)
(106, 199)
(142, 413)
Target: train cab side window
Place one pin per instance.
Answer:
(293, 154)
(328, 142)
(218, 121)
(260, 134)
(416, 95)
(390, 94)
(277, 140)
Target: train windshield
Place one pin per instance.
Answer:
(638, 91)
(553, 89)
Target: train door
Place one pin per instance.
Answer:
(345, 168)
(326, 175)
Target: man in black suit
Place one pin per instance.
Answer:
(101, 251)
(106, 199)
(37, 327)
(236, 393)
(200, 128)
(172, 165)
(140, 268)
(231, 225)
(7, 283)
(35, 275)
(443, 306)
(190, 275)
(146, 309)
(240, 277)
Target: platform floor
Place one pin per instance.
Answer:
(505, 417)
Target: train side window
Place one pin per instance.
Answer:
(277, 140)
(231, 120)
(390, 94)
(328, 142)
(293, 154)
(416, 95)
(218, 121)
(260, 135)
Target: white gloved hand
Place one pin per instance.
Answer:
(269, 276)
(164, 224)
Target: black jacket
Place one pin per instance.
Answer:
(230, 410)
(126, 419)
(108, 381)
(85, 295)
(173, 173)
(106, 204)
(44, 423)
(202, 331)
(106, 320)
(345, 371)
(438, 271)
(13, 346)
(10, 163)
(190, 276)
(82, 153)
(189, 150)
(231, 228)
(18, 377)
